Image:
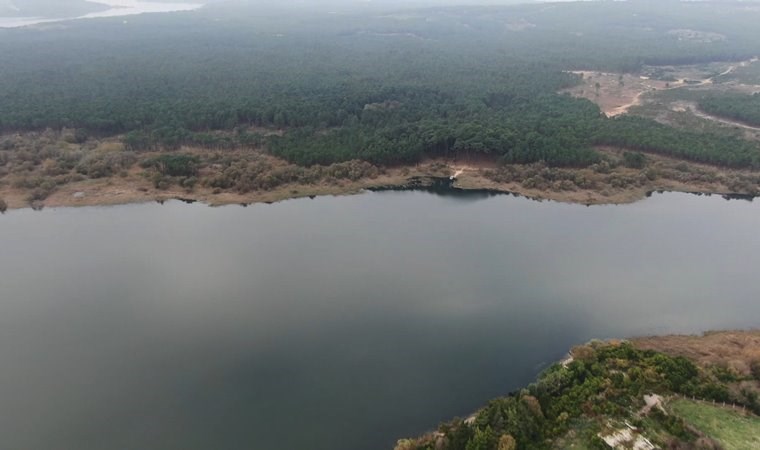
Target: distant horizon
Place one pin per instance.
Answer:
(116, 8)
(38, 9)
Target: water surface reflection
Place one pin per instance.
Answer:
(336, 323)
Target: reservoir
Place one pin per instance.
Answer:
(114, 8)
(338, 323)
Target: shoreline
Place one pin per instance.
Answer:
(103, 193)
(609, 182)
(708, 353)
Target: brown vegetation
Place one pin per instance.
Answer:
(59, 169)
(731, 356)
(738, 351)
(616, 180)
(53, 169)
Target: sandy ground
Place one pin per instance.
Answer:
(617, 93)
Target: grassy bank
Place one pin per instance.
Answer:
(734, 429)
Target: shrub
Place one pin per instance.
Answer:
(755, 369)
(174, 165)
(634, 160)
(507, 442)
(189, 183)
(583, 353)
(481, 440)
(42, 192)
(533, 405)
(674, 425)
(100, 165)
(161, 182)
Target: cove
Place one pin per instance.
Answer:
(338, 322)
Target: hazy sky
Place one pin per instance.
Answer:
(56, 7)
(19, 13)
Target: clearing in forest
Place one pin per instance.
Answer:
(616, 93)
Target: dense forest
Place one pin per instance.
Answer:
(743, 108)
(646, 135)
(381, 86)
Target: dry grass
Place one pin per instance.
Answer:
(134, 187)
(615, 184)
(732, 349)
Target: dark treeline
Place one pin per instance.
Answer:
(744, 108)
(383, 87)
(552, 128)
(646, 135)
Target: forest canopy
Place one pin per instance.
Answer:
(744, 108)
(382, 86)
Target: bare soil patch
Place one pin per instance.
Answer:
(616, 93)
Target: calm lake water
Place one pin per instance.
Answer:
(336, 323)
